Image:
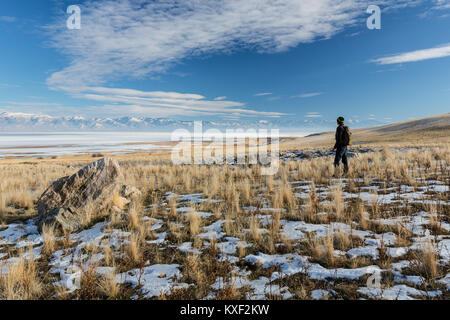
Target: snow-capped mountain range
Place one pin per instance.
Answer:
(23, 122)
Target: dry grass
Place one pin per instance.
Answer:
(194, 223)
(134, 248)
(48, 236)
(21, 281)
(109, 286)
(425, 263)
(237, 187)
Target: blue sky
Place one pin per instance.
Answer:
(227, 59)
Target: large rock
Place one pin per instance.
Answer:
(64, 219)
(68, 199)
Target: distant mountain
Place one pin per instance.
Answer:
(34, 122)
(22, 122)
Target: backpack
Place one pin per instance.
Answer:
(347, 136)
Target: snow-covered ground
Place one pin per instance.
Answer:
(152, 280)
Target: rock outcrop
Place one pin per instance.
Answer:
(68, 200)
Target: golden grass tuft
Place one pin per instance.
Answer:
(21, 280)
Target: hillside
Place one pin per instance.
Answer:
(429, 130)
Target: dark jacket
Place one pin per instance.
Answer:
(340, 131)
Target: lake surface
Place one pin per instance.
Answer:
(58, 143)
(65, 143)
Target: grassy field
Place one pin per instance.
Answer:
(226, 232)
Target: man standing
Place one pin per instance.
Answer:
(342, 142)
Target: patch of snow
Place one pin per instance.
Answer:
(260, 287)
(370, 251)
(231, 245)
(187, 247)
(16, 231)
(445, 281)
(396, 252)
(93, 235)
(398, 292)
(155, 280)
(213, 231)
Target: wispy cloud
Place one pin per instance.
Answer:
(141, 39)
(313, 115)
(32, 104)
(165, 104)
(137, 38)
(437, 7)
(308, 95)
(8, 19)
(263, 94)
(220, 98)
(413, 56)
(441, 4)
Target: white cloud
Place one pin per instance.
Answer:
(441, 4)
(418, 55)
(437, 7)
(122, 39)
(136, 38)
(164, 104)
(263, 94)
(33, 104)
(313, 115)
(308, 95)
(220, 98)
